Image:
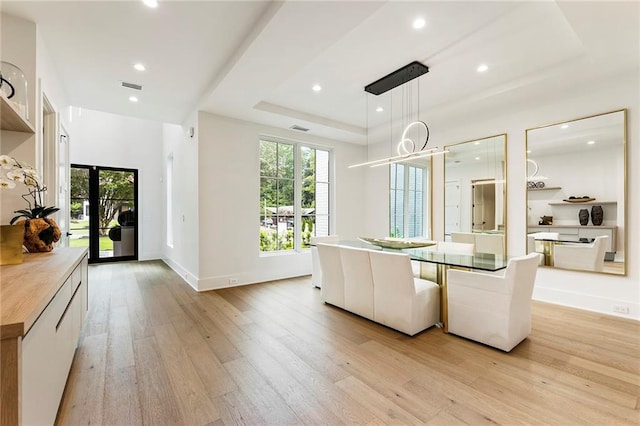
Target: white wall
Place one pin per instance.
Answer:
(18, 46)
(182, 256)
(596, 292)
(229, 176)
(103, 139)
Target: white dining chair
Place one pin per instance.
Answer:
(581, 256)
(455, 248)
(316, 271)
(493, 309)
(490, 243)
(332, 285)
(402, 302)
(463, 237)
(358, 281)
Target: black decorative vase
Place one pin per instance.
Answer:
(583, 217)
(597, 215)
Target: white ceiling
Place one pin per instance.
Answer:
(258, 60)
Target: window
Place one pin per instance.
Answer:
(407, 201)
(169, 207)
(294, 195)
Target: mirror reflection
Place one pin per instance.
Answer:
(576, 193)
(409, 199)
(475, 194)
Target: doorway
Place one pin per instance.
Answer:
(103, 208)
(484, 205)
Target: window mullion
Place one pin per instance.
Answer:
(297, 197)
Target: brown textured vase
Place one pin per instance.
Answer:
(40, 234)
(583, 217)
(597, 215)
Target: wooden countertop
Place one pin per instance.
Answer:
(26, 289)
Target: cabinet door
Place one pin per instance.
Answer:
(41, 383)
(47, 352)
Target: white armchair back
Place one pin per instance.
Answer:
(316, 271)
(490, 243)
(358, 282)
(493, 309)
(401, 301)
(584, 257)
(332, 286)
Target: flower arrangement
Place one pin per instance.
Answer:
(24, 173)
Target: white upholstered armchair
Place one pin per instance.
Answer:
(332, 285)
(493, 309)
(584, 257)
(316, 271)
(401, 301)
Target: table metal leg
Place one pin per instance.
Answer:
(426, 272)
(444, 306)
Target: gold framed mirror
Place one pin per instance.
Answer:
(576, 193)
(475, 193)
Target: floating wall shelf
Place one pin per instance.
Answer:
(11, 118)
(550, 188)
(586, 203)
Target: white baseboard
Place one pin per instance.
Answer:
(187, 276)
(587, 302)
(245, 278)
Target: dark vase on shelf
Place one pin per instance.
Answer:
(583, 217)
(597, 215)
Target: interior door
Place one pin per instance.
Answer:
(452, 207)
(484, 213)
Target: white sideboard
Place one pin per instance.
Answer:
(44, 302)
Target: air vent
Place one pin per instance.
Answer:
(131, 86)
(299, 128)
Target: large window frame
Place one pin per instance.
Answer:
(304, 218)
(409, 190)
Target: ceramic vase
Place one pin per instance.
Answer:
(583, 217)
(597, 215)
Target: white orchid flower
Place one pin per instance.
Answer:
(7, 162)
(16, 175)
(6, 183)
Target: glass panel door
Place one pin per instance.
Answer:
(116, 213)
(103, 207)
(79, 208)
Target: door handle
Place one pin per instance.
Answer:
(69, 234)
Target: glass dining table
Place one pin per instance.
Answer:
(431, 259)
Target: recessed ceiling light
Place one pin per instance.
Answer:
(564, 126)
(139, 67)
(591, 142)
(419, 23)
(483, 67)
(151, 3)
(476, 143)
(316, 88)
(379, 109)
(477, 158)
(528, 151)
(133, 99)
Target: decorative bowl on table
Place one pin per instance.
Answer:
(396, 243)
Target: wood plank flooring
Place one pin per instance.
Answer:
(155, 352)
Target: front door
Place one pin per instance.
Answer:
(104, 214)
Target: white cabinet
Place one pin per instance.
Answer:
(48, 349)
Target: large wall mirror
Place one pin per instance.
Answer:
(576, 194)
(475, 194)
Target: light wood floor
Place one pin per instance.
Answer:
(155, 352)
